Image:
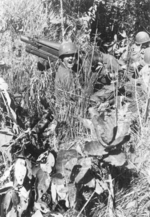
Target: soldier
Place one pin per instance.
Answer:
(69, 83)
(145, 75)
(142, 41)
(145, 71)
(104, 86)
(147, 56)
(66, 74)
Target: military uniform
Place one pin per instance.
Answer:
(145, 71)
(67, 84)
(137, 56)
(103, 88)
(137, 51)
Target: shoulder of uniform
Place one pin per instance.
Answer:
(62, 72)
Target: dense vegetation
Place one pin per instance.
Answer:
(83, 158)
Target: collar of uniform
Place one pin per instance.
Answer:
(70, 70)
(62, 64)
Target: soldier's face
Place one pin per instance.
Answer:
(69, 60)
(145, 45)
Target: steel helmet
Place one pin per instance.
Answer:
(147, 55)
(142, 37)
(67, 48)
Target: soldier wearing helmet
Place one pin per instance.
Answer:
(142, 41)
(67, 53)
(142, 38)
(66, 73)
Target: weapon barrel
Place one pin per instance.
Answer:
(51, 44)
(50, 50)
(40, 53)
(40, 45)
(25, 39)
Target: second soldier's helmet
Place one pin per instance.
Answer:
(147, 55)
(67, 48)
(141, 38)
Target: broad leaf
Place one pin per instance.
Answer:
(58, 179)
(37, 214)
(116, 159)
(86, 162)
(124, 120)
(84, 176)
(43, 157)
(41, 206)
(110, 63)
(23, 201)
(101, 186)
(3, 84)
(89, 125)
(11, 199)
(94, 148)
(35, 169)
(50, 130)
(5, 136)
(70, 164)
(103, 94)
(20, 171)
(119, 141)
(103, 128)
(61, 191)
(47, 163)
(81, 174)
(12, 212)
(42, 183)
(22, 192)
(111, 128)
(91, 183)
(63, 157)
(6, 187)
(79, 170)
(86, 122)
